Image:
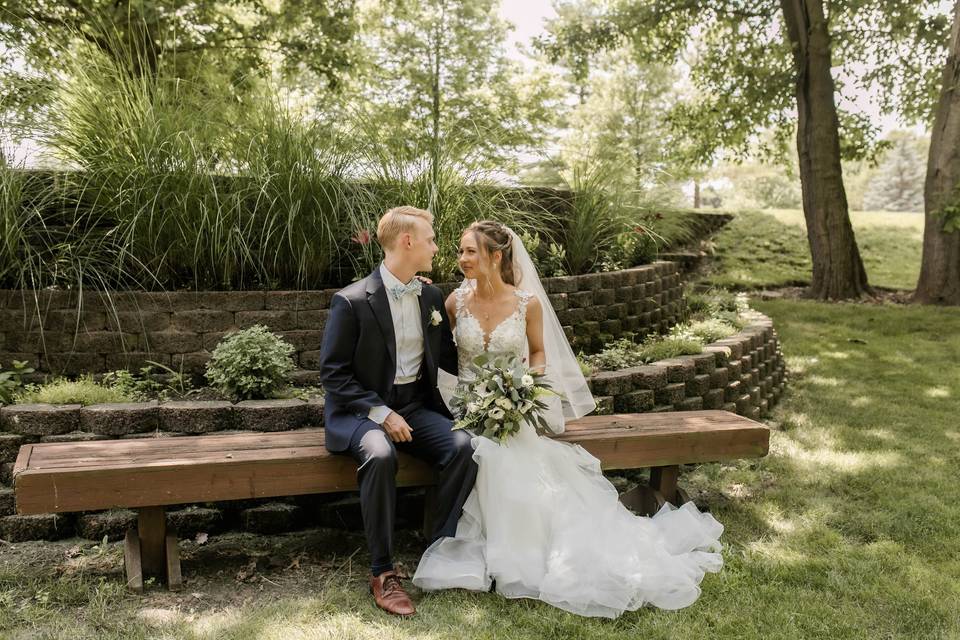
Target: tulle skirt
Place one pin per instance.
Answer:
(544, 523)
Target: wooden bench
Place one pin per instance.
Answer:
(149, 474)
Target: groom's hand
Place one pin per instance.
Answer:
(397, 428)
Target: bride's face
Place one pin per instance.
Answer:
(473, 262)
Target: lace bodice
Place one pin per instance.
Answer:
(509, 336)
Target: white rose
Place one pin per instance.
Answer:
(496, 414)
(527, 380)
(435, 318)
(505, 403)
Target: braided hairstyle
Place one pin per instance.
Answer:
(492, 236)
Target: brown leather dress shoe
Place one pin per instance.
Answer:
(389, 595)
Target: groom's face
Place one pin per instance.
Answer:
(422, 246)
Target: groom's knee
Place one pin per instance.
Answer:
(378, 452)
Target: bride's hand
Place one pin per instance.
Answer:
(424, 279)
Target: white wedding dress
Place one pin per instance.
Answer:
(544, 522)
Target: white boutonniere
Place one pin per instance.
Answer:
(435, 317)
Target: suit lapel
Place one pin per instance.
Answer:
(377, 298)
(425, 324)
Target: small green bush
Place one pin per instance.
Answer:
(250, 364)
(83, 391)
(548, 257)
(710, 302)
(154, 381)
(11, 380)
(706, 331)
(619, 354)
(624, 353)
(670, 347)
(631, 248)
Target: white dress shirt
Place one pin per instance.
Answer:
(408, 334)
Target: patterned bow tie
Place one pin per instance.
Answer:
(414, 286)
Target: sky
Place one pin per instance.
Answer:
(528, 17)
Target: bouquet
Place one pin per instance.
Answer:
(504, 394)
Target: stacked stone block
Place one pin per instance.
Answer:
(70, 333)
(73, 333)
(744, 373)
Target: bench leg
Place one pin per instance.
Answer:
(174, 578)
(648, 499)
(642, 499)
(152, 528)
(664, 480)
(151, 551)
(131, 561)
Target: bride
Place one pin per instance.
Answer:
(542, 522)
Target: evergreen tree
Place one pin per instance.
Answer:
(898, 182)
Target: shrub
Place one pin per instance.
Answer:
(624, 353)
(11, 380)
(631, 248)
(619, 354)
(548, 257)
(250, 364)
(147, 384)
(670, 347)
(83, 391)
(709, 330)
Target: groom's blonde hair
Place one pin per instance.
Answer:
(397, 221)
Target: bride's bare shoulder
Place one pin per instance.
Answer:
(533, 304)
(460, 295)
(451, 304)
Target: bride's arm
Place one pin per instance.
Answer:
(451, 306)
(538, 356)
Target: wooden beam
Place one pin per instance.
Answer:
(152, 529)
(131, 561)
(70, 477)
(174, 577)
(643, 499)
(664, 481)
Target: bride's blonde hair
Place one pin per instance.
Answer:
(492, 236)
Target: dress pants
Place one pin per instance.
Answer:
(449, 452)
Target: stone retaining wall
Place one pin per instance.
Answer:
(744, 373)
(180, 329)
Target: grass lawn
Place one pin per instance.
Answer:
(850, 528)
(769, 249)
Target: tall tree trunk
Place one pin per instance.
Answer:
(838, 271)
(939, 281)
(696, 193)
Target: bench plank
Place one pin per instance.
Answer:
(86, 476)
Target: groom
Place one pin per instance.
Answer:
(384, 339)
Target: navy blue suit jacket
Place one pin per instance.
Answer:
(358, 358)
